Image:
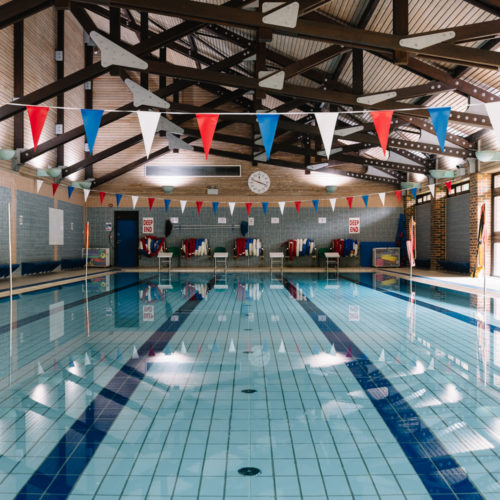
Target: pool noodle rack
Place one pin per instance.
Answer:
(261, 254)
(287, 250)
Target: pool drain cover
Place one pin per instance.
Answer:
(249, 471)
(248, 391)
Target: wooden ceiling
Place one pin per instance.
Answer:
(206, 55)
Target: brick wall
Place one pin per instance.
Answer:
(438, 226)
(480, 192)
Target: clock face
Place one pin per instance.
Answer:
(259, 182)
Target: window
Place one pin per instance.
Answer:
(460, 188)
(423, 198)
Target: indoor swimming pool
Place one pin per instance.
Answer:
(190, 386)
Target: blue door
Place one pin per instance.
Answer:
(126, 243)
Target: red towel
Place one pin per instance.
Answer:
(240, 246)
(292, 248)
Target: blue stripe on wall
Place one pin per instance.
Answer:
(439, 472)
(61, 469)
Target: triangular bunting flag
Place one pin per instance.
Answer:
(148, 120)
(215, 347)
(207, 124)
(167, 204)
(432, 189)
(118, 354)
(198, 206)
(382, 121)
(151, 351)
(282, 206)
(349, 201)
(70, 191)
(315, 204)
(183, 205)
(102, 194)
(54, 188)
(40, 369)
(86, 193)
(39, 184)
(349, 352)
(91, 122)
(87, 361)
(118, 199)
(151, 202)
(431, 365)
(297, 206)
(134, 201)
(264, 207)
(365, 199)
(332, 203)
(37, 116)
(382, 198)
(282, 347)
(398, 195)
(183, 348)
(231, 206)
(326, 123)
(103, 356)
(333, 351)
(232, 347)
(382, 356)
(448, 186)
(215, 206)
(71, 363)
(249, 207)
(135, 354)
(267, 124)
(493, 109)
(413, 192)
(167, 350)
(439, 117)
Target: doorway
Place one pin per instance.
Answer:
(127, 239)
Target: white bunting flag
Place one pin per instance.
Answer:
(431, 365)
(39, 184)
(381, 358)
(148, 120)
(40, 369)
(87, 360)
(282, 206)
(332, 203)
(232, 347)
(333, 351)
(86, 193)
(135, 354)
(231, 206)
(183, 205)
(493, 109)
(282, 347)
(183, 348)
(382, 198)
(134, 200)
(432, 189)
(326, 123)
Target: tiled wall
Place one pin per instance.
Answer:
(73, 230)
(377, 224)
(457, 228)
(4, 225)
(423, 231)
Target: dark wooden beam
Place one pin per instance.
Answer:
(60, 74)
(17, 10)
(18, 57)
(400, 27)
(144, 36)
(491, 6)
(88, 94)
(357, 71)
(304, 65)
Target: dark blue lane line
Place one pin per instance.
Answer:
(35, 317)
(439, 472)
(61, 469)
(422, 303)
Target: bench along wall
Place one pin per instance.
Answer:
(377, 224)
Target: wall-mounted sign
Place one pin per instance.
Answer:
(250, 221)
(354, 312)
(354, 225)
(221, 220)
(321, 220)
(174, 220)
(275, 220)
(148, 224)
(108, 227)
(148, 312)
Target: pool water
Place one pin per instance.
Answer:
(190, 386)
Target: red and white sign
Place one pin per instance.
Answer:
(354, 312)
(148, 224)
(354, 225)
(148, 312)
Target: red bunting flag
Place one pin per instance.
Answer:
(448, 186)
(249, 207)
(151, 202)
(102, 194)
(398, 196)
(349, 201)
(54, 188)
(382, 121)
(198, 205)
(37, 116)
(207, 124)
(297, 206)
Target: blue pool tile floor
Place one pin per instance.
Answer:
(361, 386)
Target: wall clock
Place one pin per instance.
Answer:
(259, 182)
